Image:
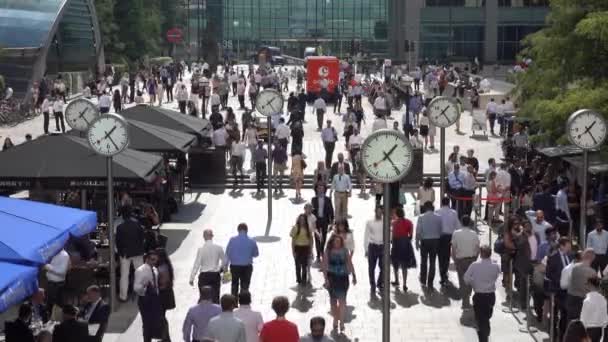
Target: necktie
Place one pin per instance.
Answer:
(154, 280)
(565, 260)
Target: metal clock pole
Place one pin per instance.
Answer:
(583, 224)
(442, 163)
(269, 170)
(111, 234)
(386, 264)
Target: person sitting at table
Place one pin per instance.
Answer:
(19, 330)
(95, 311)
(70, 330)
(39, 308)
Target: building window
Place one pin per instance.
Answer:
(452, 42)
(455, 3)
(509, 40)
(523, 3)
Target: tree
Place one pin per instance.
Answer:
(112, 45)
(568, 66)
(139, 27)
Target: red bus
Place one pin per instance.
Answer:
(320, 71)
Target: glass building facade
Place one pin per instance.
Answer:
(336, 26)
(48, 36)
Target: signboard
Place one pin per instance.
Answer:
(175, 35)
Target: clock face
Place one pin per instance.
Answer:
(269, 102)
(386, 155)
(443, 111)
(80, 113)
(108, 135)
(586, 129)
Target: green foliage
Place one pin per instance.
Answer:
(158, 61)
(568, 71)
(2, 84)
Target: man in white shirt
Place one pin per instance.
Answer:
(319, 106)
(465, 249)
(379, 123)
(594, 314)
(380, 106)
(56, 271)
(373, 244)
(252, 319)
(45, 108)
(220, 138)
(58, 112)
(491, 109)
(329, 136)
(282, 132)
(500, 116)
(105, 102)
(209, 263)
(508, 106)
(564, 280)
(561, 201)
(341, 187)
(215, 102)
(539, 225)
(145, 285)
(449, 224)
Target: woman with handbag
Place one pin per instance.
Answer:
(301, 244)
(165, 289)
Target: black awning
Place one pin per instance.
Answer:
(560, 151)
(168, 118)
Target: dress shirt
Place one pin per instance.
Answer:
(89, 311)
(598, 241)
(58, 267)
(58, 106)
(253, 322)
(374, 233)
(215, 100)
(220, 136)
(321, 203)
(579, 277)
(449, 220)
(380, 103)
(341, 183)
(260, 155)
(197, 320)
(561, 202)
(465, 243)
(594, 313)
(533, 246)
(456, 180)
(378, 124)
(538, 228)
(503, 179)
(564, 280)
(282, 131)
(238, 149)
(482, 275)
(428, 226)
(328, 134)
(46, 106)
(491, 107)
(469, 181)
(145, 275)
(355, 141)
(105, 101)
(415, 141)
(209, 258)
(319, 104)
(241, 250)
(227, 328)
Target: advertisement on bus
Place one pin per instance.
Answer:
(322, 72)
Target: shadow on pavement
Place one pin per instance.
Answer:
(175, 238)
(302, 303)
(450, 291)
(406, 300)
(189, 212)
(349, 315)
(467, 318)
(122, 319)
(236, 193)
(435, 299)
(267, 239)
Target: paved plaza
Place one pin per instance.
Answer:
(415, 316)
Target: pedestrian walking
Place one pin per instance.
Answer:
(402, 252)
(428, 233)
(449, 224)
(130, 238)
(593, 313)
(117, 100)
(280, 329)
(301, 244)
(165, 289)
(209, 263)
(253, 320)
(182, 98)
(482, 276)
(241, 251)
(337, 266)
(319, 106)
(317, 331)
(465, 249)
(279, 165)
(260, 155)
(45, 107)
(324, 214)
(197, 319)
(578, 286)
(225, 327)
(373, 244)
(58, 112)
(297, 173)
(341, 186)
(145, 285)
(105, 102)
(56, 272)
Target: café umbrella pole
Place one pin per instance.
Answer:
(111, 236)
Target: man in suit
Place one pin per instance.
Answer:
(336, 166)
(39, 307)
(553, 274)
(18, 330)
(70, 330)
(324, 213)
(96, 311)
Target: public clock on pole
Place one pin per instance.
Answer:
(443, 111)
(269, 102)
(386, 155)
(80, 114)
(586, 129)
(108, 135)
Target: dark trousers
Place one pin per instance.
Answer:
(54, 295)
(466, 207)
(242, 101)
(595, 334)
(320, 240)
(204, 102)
(169, 91)
(241, 278)
(320, 114)
(375, 257)
(59, 119)
(428, 255)
(234, 89)
(213, 280)
(600, 262)
(444, 253)
(574, 305)
(46, 122)
(560, 312)
(329, 153)
(483, 306)
(182, 106)
(260, 174)
(338, 103)
(301, 255)
(492, 119)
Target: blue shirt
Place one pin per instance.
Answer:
(456, 181)
(197, 320)
(241, 250)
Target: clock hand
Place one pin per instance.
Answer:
(386, 155)
(444, 109)
(592, 137)
(109, 133)
(587, 129)
(392, 163)
(113, 143)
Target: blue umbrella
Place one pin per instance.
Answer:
(33, 232)
(17, 282)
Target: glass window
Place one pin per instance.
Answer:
(455, 3)
(26, 23)
(509, 39)
(523, 3)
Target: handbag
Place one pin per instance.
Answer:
(499, 246)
